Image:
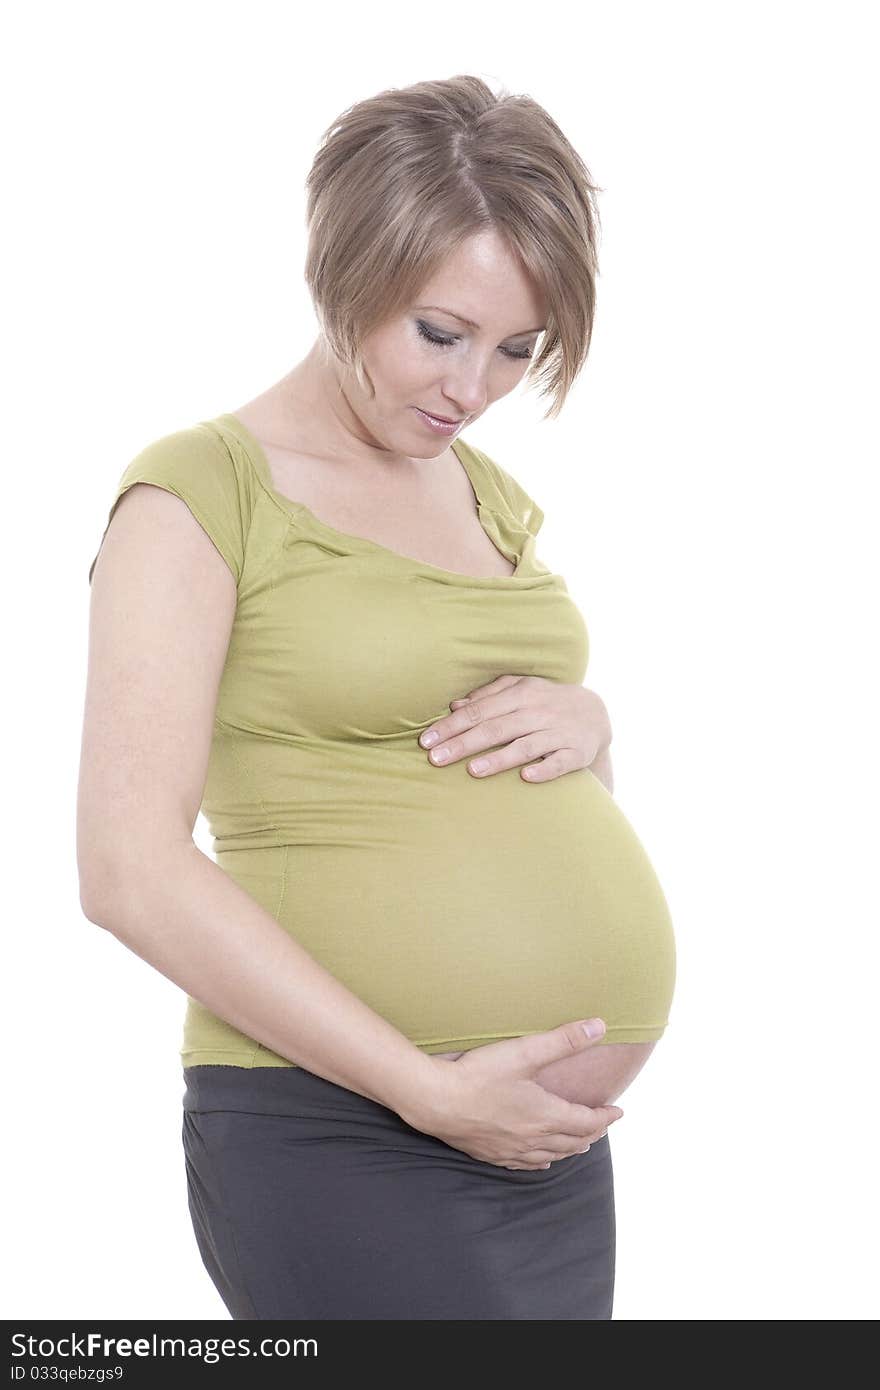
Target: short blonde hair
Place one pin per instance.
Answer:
(401, 179)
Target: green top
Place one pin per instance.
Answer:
(461, 909)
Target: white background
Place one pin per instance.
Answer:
(707, 494)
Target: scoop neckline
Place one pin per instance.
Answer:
(468, 460)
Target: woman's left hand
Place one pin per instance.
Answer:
(567, 726)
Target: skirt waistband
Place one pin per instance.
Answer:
(328, 1113)
(273, 1091)
(321, 1108)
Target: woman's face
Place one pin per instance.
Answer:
(429, 359)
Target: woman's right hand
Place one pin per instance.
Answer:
(488, 1104)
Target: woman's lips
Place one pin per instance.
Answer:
(436, 424)
(445, 418)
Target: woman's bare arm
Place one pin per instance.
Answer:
(162, 607)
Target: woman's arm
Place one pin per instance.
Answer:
(163, 603)
(182, 914)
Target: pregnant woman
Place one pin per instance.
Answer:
(392, 1107)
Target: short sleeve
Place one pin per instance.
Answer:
(524, 508)
(197, 467)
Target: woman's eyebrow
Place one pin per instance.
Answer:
(470, 323)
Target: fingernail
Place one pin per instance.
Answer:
(594, 1028)
(429, 738)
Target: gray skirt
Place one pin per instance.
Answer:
(311, 1201)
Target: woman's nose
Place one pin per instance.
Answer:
(466, 395)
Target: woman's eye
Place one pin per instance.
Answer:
(440, 342)
(434, 338)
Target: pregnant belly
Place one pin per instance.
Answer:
(467, 911)
(598, 1076)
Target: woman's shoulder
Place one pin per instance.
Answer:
(197, 464)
